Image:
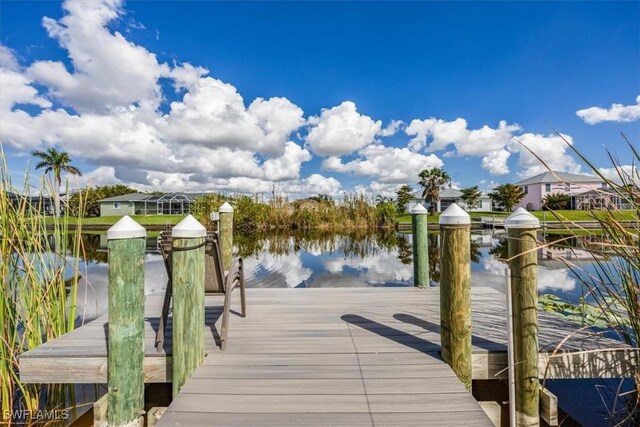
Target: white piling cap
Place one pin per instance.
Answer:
(226, 208)
(419, 210)
(454, 215)
(189, 228)
(520, 218)
(126, 228)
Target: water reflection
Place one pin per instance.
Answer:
(324, 259)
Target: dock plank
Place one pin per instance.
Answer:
(195, 419)
(375, 320)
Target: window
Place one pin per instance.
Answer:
(567, 187)
(116, 205)
(525, 189)
(547, 188)
(604, 185)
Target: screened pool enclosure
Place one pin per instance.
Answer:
(148, 204)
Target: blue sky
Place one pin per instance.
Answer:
(317, 97)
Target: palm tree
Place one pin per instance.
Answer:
(403, 198)
(430, 181)
(382, 199)
(55, 161)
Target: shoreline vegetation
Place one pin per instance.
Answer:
(315, 219)
(40, 267)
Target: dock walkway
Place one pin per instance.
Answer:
(332, 356)
(348, 357)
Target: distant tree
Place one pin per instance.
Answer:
(86, 202)
(430, 181)
(403, 197)
(55, 162)
(471, 196)
(507, 196)
(323, 198)
(556, 202)
(382, 199)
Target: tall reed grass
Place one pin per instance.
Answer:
(612, 281)
(40, 278)
(352, 212)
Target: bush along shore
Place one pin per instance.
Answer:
(353, 212)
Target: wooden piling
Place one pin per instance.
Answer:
(188, 238)
(455, 292)
(125, 357)
(420, 246)
(521, 227)
(226, 234)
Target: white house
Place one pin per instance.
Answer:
(449, 196)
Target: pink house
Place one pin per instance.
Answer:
(537, 187)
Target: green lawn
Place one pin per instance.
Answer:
(406, 218)
(562, 215)
(141, 219)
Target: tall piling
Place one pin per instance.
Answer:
(420, 246)
(188, 238)
(226, 234)
(523, 262)
(455, 291)
(125, 357)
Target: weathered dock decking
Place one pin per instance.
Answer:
(309, 357)
(331, 356)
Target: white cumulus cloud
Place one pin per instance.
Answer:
(386, 164)
(628, 172)
(108, 70)
(341, 130)
(551, 149)
(616, 113)
(487, 143)
(392, 128)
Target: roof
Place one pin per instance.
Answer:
(550, 177)
(142, 197)
(30, 198)
(599, 191)
(131, 197)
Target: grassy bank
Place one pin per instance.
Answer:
(110, 220)
(406, 218)
(565, 215)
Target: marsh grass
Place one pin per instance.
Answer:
(40, 274)
(351, 212)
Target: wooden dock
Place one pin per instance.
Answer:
(332, 356)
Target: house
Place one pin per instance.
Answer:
(148, 204)
(448, 196)
(604, 198)
(39, 204)
(539, 186)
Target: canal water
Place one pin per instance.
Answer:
(359, 260)
(328, 260)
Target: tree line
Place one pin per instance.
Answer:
(85, 202)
